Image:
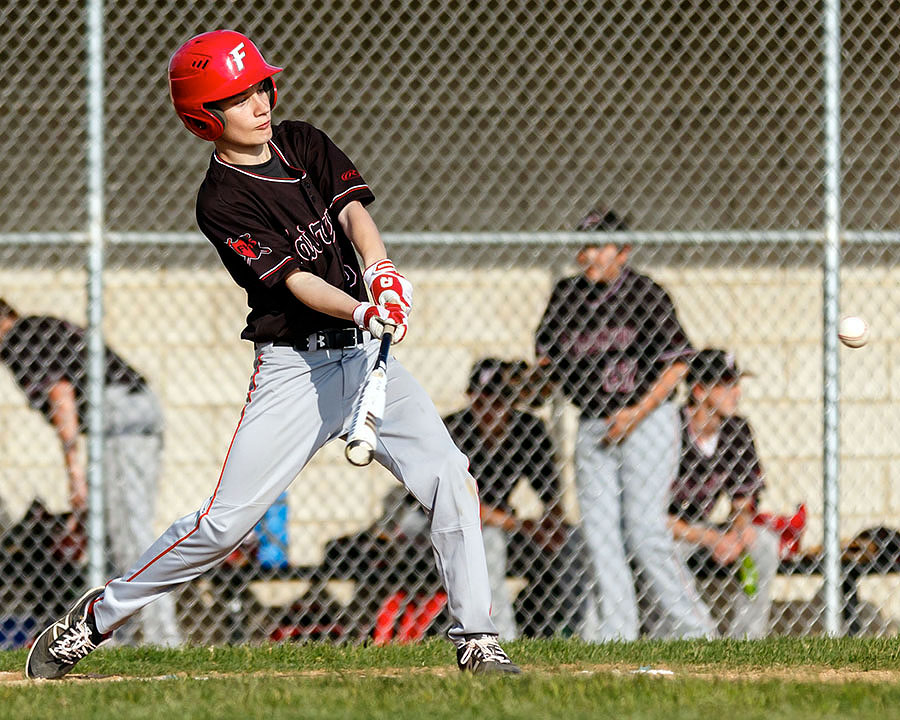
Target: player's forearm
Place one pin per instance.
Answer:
(316, 293)
(64, 417)
(696, 534)
(498, 518)
(363, 233)
(661, 389)
(64, 413)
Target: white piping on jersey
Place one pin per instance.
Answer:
(270, 271)
(336, 197)
(254, 175)
(347, 192)
(283, 159)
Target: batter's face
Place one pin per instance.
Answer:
(248, 122)
(603, 263)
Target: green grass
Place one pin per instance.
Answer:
(564, 679)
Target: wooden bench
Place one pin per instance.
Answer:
(875, 551)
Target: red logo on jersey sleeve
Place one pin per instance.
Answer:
(349, 174)
(247, 247)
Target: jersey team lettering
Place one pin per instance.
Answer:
(599, 341)
(309, 244)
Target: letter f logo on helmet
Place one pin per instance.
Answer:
(211, 67)
(237, 57)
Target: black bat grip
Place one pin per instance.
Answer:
(386, 339)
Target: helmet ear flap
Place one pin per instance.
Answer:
(216, 113)
(269, 87)
(210, 125)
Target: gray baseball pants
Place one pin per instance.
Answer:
(297, 402)
(623, 492)
(132, 448)
(496, 542)
(745, 616)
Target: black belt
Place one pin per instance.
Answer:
(330, 339)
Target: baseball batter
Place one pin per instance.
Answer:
(613, 341)
(285, 210)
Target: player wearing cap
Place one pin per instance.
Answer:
(284, 208)
(718, 457)
(611, 338)
(506, 445)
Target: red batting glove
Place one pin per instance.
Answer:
(387, 285)
(374, 318)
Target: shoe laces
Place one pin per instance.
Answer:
(73, 644)
(485, 649)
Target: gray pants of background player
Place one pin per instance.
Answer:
(132, 448)
(496, 543)
(623, 492)
(298, 401)
(744, 616)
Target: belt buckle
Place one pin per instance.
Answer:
(355, 337)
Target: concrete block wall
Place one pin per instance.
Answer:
(181, 328)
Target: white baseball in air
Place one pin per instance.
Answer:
(853, 331)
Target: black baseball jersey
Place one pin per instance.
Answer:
(265, 226)
(523, 450)
(41, 351)
(732, 467)
(608, 343)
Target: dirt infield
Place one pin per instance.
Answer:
(806, 674)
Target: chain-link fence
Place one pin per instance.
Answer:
(485, 130)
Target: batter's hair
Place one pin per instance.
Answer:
(7, 310)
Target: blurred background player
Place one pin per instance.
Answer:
(47, 357)
(505, 445)
(284, 208)
(611, 338)
(718, 457)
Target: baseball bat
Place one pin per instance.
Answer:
(363, 435)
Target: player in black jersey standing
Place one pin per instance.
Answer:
(284, 208)
(610, 336)
(47, 357)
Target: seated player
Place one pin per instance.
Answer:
(718, 456)
(505, 445)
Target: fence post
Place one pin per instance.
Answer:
(831, 309)
(95, 262)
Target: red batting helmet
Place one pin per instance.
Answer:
(210, 67)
